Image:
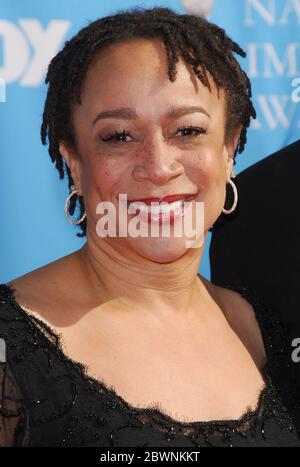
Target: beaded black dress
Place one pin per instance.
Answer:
(47, 399)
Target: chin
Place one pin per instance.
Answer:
(160, 250)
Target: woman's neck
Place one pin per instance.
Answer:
(170, 288)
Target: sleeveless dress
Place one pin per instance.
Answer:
(48, 399)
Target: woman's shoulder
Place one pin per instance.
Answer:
(33, 301)
(256, 322)
(43, 290)
(244, 312)
(236, 301)
(240, 302)
(244, 307)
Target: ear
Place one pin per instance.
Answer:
(230, 148)
(73, 162)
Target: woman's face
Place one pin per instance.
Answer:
(155, 157)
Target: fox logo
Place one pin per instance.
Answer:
(27, 49)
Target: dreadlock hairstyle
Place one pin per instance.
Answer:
(201, 44)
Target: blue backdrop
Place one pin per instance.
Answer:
(33, 227)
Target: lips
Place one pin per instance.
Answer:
(166, 199)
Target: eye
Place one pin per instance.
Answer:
(113, 137)
(197, 131)
(118, 137)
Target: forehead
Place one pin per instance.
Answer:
(135, 74)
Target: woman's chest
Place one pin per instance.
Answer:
(184, 377)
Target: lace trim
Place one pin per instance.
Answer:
(153, 415)
(13, 418)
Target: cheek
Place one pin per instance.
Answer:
(104, 178)
(207, 167)
(211, 175)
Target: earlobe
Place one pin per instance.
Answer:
(230, 149)
(229, 166)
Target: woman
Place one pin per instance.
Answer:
(122, 343)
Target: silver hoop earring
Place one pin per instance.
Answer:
(235, 193)
(67, 202)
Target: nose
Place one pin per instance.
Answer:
(157, 163)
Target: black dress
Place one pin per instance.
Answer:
(47, 399)
(266, 220)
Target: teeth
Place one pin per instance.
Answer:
(172, 206)
(162, 208)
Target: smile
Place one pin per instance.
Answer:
(166, 200)
(159, 208)
(162, 212)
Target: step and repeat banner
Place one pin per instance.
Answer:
(33, 228)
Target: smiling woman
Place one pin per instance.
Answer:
(123, 343)
(156, 38)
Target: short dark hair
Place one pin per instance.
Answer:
(200, 43)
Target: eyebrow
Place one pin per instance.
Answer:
(130, 114)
